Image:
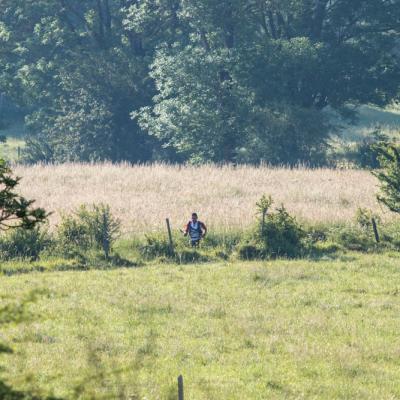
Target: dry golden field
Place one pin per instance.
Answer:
(224, 197)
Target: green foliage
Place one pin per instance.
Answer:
(277, 234)
(364, 218)
(24, 244)
(352, 238)
(282, 235)
(16, 211)
(156, 245)
(87, 228)
(213, 247)
(231, 81)
(103, 229)
(252, 80)
(249, 250)
(389, 175)
(364, 153)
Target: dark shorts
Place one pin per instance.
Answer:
(195, 242)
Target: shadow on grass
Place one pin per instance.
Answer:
(8, 393)
(64, 266)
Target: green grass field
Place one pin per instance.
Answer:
(261, 330)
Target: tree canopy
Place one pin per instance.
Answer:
(197, 80)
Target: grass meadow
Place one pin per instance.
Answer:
(259, 330)
(143, 196)
(299, 329)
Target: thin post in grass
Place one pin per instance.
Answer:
(375, 228)
(180, 387)
(19, 153)
(171, 243)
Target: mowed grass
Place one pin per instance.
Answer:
(261, 330)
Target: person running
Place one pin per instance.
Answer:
(196, 230)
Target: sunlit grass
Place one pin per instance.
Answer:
(271, 330)
(225, 197)
(12, 149)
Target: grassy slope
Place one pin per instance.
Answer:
(369, 118)
(15, 138)
(277, 330)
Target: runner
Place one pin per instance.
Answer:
(196, 230)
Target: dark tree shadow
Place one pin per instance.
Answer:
(8, 393)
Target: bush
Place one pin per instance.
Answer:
(249, 251)
(72, 237)
(282, 236)
(102, 227)
(352, 238)
(87, 228)
(276, 234)
(156, 245)
(24, 244)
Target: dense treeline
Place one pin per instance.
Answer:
(198, 80)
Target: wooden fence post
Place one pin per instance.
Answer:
(375, 228)
(180, 387)
(171, 243)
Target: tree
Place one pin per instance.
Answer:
(204, 80)
(389, 175)
(15, 210)
(253, 79)
(81, 73)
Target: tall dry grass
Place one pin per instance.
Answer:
(224, 197)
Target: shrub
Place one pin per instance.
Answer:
(87, 228)
(282, 236)
(24, 244)
(103, 229)
(156, 245)
(364, 218)
(352, 238)
(72, 237)
(249, 251)
(276, 234)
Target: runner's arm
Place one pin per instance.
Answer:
(186, 231)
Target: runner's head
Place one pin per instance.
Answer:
(194, 217)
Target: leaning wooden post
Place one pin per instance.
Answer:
(171, 243)
(180, 387)
(375, 228)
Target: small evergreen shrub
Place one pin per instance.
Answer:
(276, 234)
